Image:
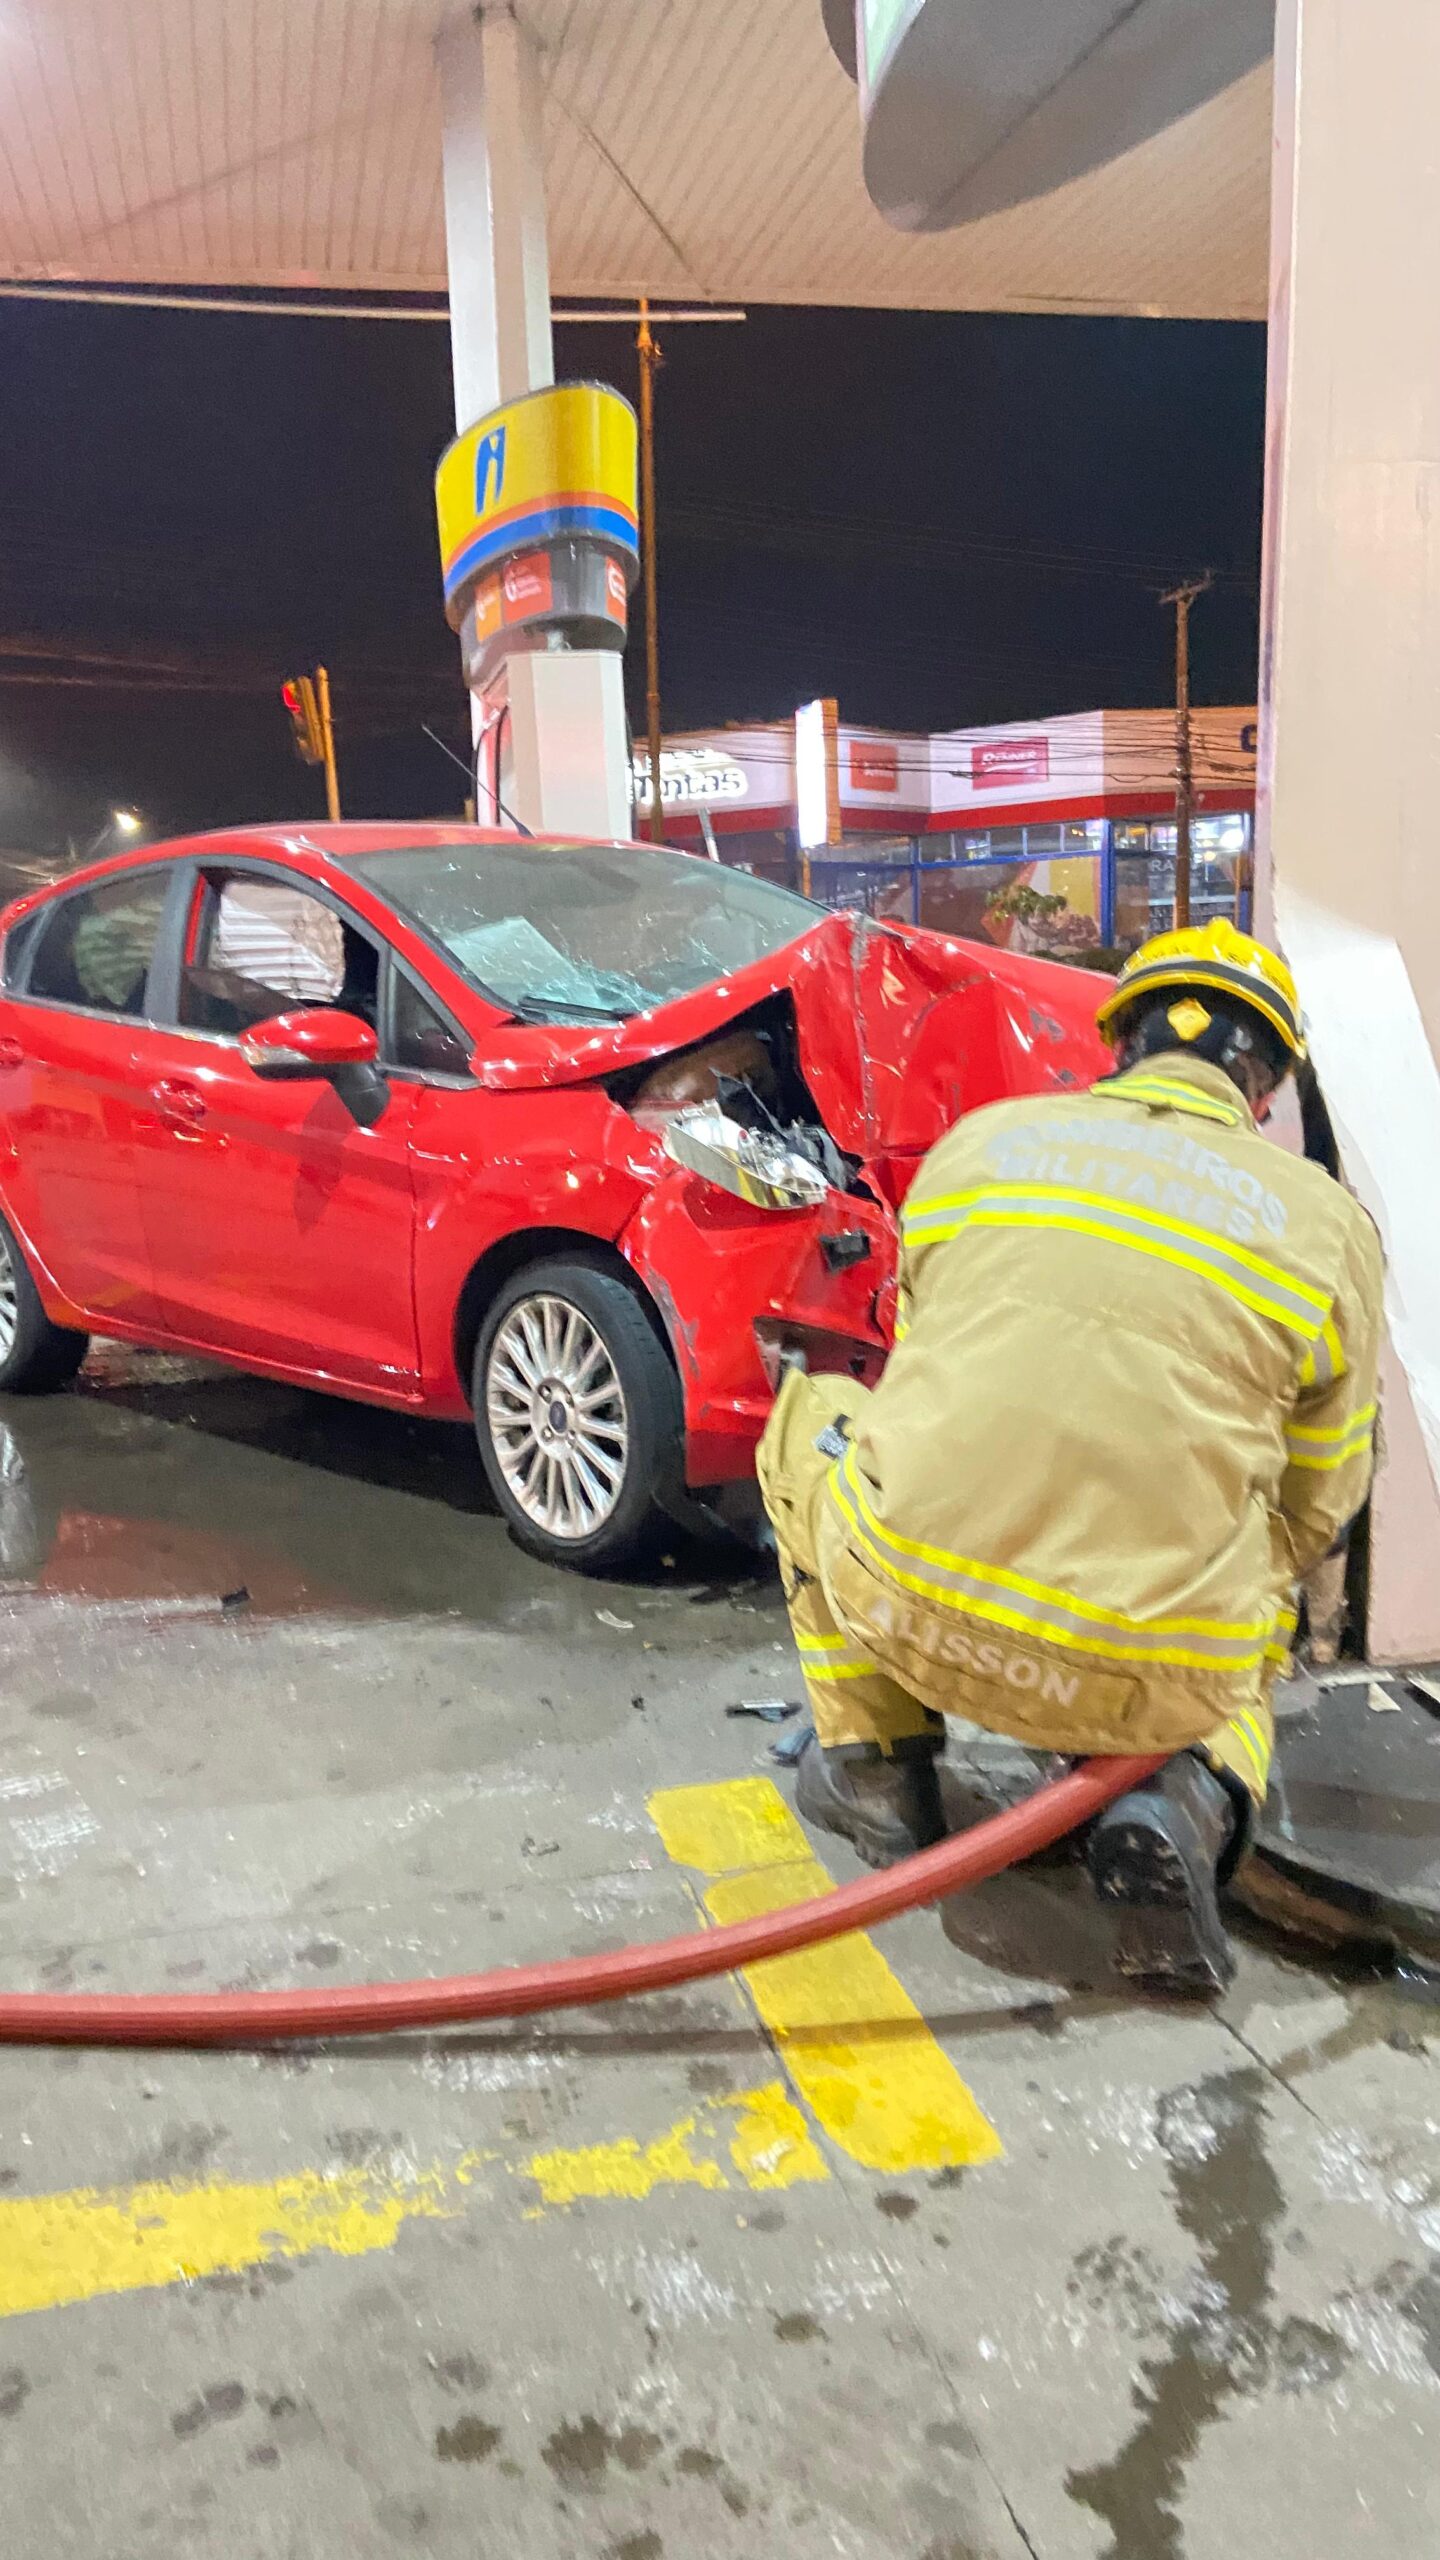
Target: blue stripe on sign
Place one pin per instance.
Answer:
(547, 524)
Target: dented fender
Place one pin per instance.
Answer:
(717, 1268)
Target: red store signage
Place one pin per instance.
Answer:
(874, 765)
(1010, 760)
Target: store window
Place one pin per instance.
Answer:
(1145, 873)
(881, 889)
(954, 896)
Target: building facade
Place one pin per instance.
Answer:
(1043, 835)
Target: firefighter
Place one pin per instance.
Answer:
(1131, 1403)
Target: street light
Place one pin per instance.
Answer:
(124, 823)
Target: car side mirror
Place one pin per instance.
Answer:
(321, 1047)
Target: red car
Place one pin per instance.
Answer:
(582, 1139)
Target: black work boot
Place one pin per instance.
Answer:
(1156, 1853)
(888, 1808)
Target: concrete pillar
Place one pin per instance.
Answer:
(568, 740)
(560, 702)
(1348, 806)
(497, 252)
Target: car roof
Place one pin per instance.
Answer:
(308, 846)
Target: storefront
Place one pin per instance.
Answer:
(1055, 835)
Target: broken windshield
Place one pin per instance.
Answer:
(590, 932)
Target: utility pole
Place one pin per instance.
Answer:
(327, 744)
(650, 359)
(1182, 598)
(649, 354)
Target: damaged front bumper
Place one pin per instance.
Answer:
(744, 1290)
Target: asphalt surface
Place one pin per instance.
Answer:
(941, 2249)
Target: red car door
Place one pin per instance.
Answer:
(281, 1233)
(71, 1015)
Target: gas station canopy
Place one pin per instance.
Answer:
(705, 148)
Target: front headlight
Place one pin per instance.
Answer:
(757, 1168)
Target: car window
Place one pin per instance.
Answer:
(261, 947)
(421, 1040)
(94, 949)
(560, 932)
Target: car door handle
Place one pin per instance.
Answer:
(181, 1106)
(11, 1054)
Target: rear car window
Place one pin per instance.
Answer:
(18, 941)
(94, 949)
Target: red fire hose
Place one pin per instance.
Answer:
(516, 1991)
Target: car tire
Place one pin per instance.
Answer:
(35, 1355)
(579, 1416)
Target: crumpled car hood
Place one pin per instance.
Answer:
(900, 1030)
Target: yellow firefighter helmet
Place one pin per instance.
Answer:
(1216, 956)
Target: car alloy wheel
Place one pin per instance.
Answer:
(9, 1300)
(557, 1417)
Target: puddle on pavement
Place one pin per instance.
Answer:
(166, 1485)
(1224, 2343)
(1399, 2011)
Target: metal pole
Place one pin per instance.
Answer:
(1182, 599)
(1107, 883)
(327, 742)
(1184, 777)
(649, 358)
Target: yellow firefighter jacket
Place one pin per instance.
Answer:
(1132, 1400)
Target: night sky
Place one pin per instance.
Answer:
(938, 519)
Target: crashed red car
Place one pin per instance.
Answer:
(583, 1140)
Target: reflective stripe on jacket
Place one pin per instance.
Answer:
(1132, 1401)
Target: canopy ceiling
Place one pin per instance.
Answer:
(709, 148)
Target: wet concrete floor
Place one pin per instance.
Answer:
(943, 2250)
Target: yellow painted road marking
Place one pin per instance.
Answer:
(853, 2042)
(70, 2247)
(745, 1822)
(75, 2246)
(770, 2146)
(849, 2034)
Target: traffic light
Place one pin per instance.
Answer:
(298, 696)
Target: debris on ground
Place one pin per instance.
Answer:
(622, 1626)
(769, 1710)
(538, 1848)
(236, 1599)
(790, 1745)
(1380, 1701)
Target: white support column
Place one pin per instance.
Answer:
(569, 741)
(561, 702)
(496, 249)
(1349, 787)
